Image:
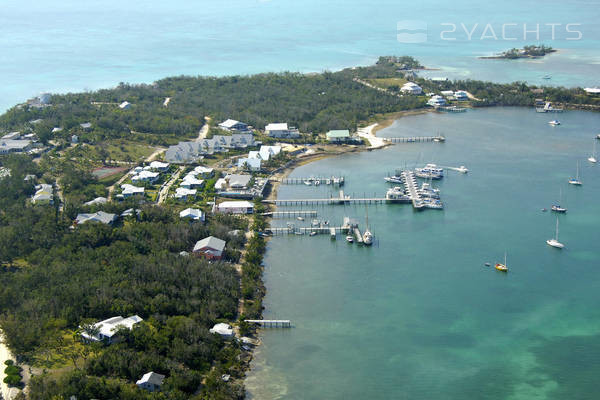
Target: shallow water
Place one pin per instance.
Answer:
(418, 315)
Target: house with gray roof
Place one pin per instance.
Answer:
(232, 125)
(100, 216)
(210, 248)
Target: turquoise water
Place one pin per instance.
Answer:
(418, 315)
(70, 45)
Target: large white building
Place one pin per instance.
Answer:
(411, 88)
(281, 130)
(107, 329)
(235, 207)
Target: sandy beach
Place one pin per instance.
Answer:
(5, 354)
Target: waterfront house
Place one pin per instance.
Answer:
(184, 194)
(461, 95)
(437, 101)
(339, 136)
(193, 214)
(222, 329)
(100, 217)
(411, 88)
(249, 164)
(266, 152)
(210, 248)
(593, 91)
(107, 329)
(235, 207)
(151, 382)
(231, 125)
(281, 130)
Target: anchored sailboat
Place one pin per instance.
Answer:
(367, 236)
(575, 181)
(502, 267)
(557, 207)
(554, 242)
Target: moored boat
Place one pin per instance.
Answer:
(554, 241)
(554, 122)
(502, 267)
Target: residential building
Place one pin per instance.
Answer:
(436, 101)
(592, 90)
(44, 194)
(14, 146)
(190, 152)
(203, 171)
(131, 190)
(145, 176)
(151, 381)
(159, 166)
(107, 329)
(265, 153)
(339, 136)
(235, 207)
(411, 88)
(191, 182)
(461, 95)
(231, 125)
(210, 247)
(249, 164)
(184, 194)
(281, 130)
(97, 200)
(222, 329)
(12, 136)
(193, 214)
(100, 216)
(221, 184)
(86, 125)
(238, 181)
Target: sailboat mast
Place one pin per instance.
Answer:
(556, 229)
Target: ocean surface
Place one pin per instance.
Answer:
(418, 315)
(73, 45)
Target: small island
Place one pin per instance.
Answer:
(531, 51)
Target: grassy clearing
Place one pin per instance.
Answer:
(386, 83)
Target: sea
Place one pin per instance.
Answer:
(418, 314)
(73, 45)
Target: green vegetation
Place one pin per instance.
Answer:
(13, 376)
(530, 51)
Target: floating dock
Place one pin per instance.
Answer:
(290, 214)
(271, 323)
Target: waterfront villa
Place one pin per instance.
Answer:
(281, 130)
(193, 214)
(210, 248)
(222, 329)
(107, 329)
(340, 136)
(235, 207)
(436, 101)
(151, 381)
(411, 88)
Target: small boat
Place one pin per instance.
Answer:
(554, 242)
(598, 136)
(349, 239)
(502, 267)
(554, 122)
(544, 209)
(487, 264)
(462, 169)
(308, 183)
(592, 158)
(300, 218)
(547, 77)
(558, 209)
(394, 179)
(575, 181)
(312, 233)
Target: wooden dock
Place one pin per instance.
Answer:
(415, 139)
(271, 323)
(291, 214)
(305, 230)
(315, 180)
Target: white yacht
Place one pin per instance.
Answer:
(427, 190)
(592, 158)
(462, 169)
(397, 193)
(430, 171)
(554, 122)
(554, 242)
(394, 179)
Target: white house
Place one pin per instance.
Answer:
(145, 176)
(461, 95)
(106, 330)
(193, 214)
(204, 171)
(232, 125)
(100, 216)
(411, 88)
(43, 195)
(222, 329)
(436, 101)
(191, 182)
(221, 184)
(281, 130)
(125, 105)
(447, 93)
(159, 166)
(266, 152)
(251, 164)
(97, 200)
(592, 90)
(184, 194)
(236, 207)
(151, 381)
(131, 190)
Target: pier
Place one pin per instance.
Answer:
(290, 214)
(452, 109)
(415, 139)
(410, 184)
(358, 235)
(271, 323)
(314, 180)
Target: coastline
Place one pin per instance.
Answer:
(5, 354)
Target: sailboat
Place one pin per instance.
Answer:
(592, 158)
(367, 236)
(502, 267)
(575, 181)
(557, 207)
(554, 242)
